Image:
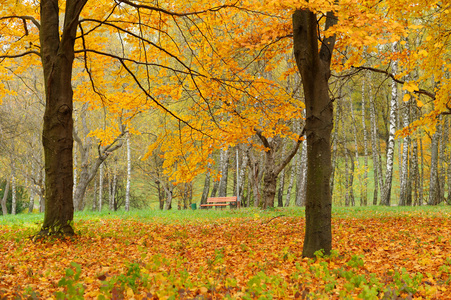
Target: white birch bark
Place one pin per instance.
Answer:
(224, 165)
(293, 172)
(386, 193)
(404, 178)
(13, 190)
(100, 186)
(302, 181)
(129, 174)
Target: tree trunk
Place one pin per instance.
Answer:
(203, 199)
(281, 182)
(224, 165)
(433, 179)
(314, 67)
(101, 167)
(365, 148)
(5, 197)
(57, 56)
(291, 182)
(386, 192)
(356, 163)
(129, 174)
(377, 169)
(404, 174)
(302, 178)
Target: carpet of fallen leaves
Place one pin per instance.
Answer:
(407, 256)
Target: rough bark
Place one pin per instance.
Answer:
(314, 67)
(386, 192)
(57, 55)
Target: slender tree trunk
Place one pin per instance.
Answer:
(404, 174)
(356, 163)
(101, 186)
(442, 158)
(421, 184)
(302, 178)
(13, 191)
(365, 148)
(291, 182)
(314, 67)
(433, 179)
(129, 174)
(224, 164)
(5, 197)
(415, 175)
(281, 181)
(203, 199)
(374, 149)
(334, 151)
(386, 193)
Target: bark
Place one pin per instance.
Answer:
(294, 166)
(203, 199)
(365, 148)
(101, 167)
(334, 151)
(255, 176)
(57, 55)
(434, 188)
(374, 149)
(420, 185)
(356, 148)
(272, 169)
(404, 174)
(13, 192)
(302, 179)
(386, 192)
(89, 170)
(168, 189)
(224, 165)
(442, 159)
(314, 67)
(242, 175)
(281, 182)
(5, 197)
(129, 174)
(415, 172)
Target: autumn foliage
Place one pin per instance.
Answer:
(378, 253)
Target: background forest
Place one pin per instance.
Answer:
(146, 134)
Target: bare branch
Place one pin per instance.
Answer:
(21, 54)
(392, 76)
(24, 18)
(172, 13)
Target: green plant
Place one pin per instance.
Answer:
(72, 289)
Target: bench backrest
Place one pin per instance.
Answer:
(222, 199)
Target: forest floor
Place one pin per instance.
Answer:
(389, 253)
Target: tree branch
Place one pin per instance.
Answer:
(21, 54)
(172, 13)
(30, 18)
(392, 76)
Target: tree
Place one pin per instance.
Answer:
(314, 67)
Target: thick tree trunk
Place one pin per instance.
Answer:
(386, 192)
(57, 57)
(314, 67)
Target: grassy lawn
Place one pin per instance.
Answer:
(238, 254)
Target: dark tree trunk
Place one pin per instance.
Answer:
(57, 57)
(314, 67)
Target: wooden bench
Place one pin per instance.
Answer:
(221, 201)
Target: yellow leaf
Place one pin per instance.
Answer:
(420, 103)
(406, 97)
